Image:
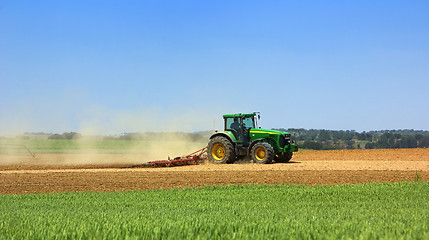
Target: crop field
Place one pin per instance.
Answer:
(361, 211)
(340, 194)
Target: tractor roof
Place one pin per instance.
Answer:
(239, 115)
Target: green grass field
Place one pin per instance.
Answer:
(364, 211)
(14, 146)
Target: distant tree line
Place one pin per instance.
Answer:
(321, 139)
(66, 135)
(144, 136)
(317, 139)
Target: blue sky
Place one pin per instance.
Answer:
(106, 67)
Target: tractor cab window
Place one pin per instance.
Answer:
(235, 126)
(232, 123)
(248, 122)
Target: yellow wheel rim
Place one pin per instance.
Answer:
(260, 153)
(218, 151)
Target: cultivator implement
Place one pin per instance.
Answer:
(190, 159)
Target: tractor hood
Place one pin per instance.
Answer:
(258, 130)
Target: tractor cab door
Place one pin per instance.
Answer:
(247, 124)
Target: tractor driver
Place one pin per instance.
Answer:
(236, 126)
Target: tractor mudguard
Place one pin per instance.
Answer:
(253, 143)
(227, 134)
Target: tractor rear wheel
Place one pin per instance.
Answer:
(262, 152)
(283, 157)
(220, 150)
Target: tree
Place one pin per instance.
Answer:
(369, 145)
(424, 142)
(350, 144)
(56, 136)
(408, 141)
(324, 135)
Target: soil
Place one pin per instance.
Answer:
(103, 172)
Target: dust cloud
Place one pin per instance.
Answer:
(131, 148)
(113, 137)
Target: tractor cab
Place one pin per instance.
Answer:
(240, 125)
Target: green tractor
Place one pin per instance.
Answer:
(242, 137)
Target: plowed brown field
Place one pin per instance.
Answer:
(70, 173)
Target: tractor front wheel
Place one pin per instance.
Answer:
(220, 150)
(283, 157)
(262, 152)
